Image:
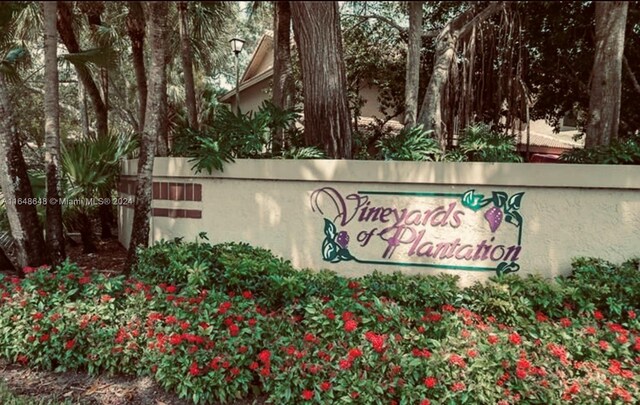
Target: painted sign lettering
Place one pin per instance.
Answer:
(440, 230)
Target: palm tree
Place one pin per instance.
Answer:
(68, 36)
(135, 30)
(54, 230)
(14, 180)
(187, 65)
(16, 188)
(90, 170)
(156, 111)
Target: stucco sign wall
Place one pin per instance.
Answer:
(467, 219)
(463, 231)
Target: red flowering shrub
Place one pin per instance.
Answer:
(342, 340)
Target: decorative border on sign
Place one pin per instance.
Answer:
(335, 246)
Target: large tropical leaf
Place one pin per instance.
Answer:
(91, 166)
(17, 57)
(104, 57)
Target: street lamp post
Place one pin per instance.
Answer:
(236, 46)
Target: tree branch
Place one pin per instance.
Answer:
(479, 18)
(632, 76)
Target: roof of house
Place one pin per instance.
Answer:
(257, 70)
(539, 135)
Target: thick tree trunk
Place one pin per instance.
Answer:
(53, 170)
(153, 123)
(16, 189)
(65, 29)
(135, 30)
(187, 65)
(446, 44)
(606, 76)
(283, 86)
(326, 110)
(413, 63)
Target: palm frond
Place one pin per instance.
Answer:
(28, 21)
(9, 72)
(104, 57)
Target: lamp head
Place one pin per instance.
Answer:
(236, 45)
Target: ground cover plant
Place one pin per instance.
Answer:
(219, 323)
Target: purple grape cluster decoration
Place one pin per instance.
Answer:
(503, 207)
(342, 239)
(494, 217)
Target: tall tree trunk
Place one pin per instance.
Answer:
(606, 76)
(326, 110)
(153, 123)
(162, 135)
(53, 170)
(68, 36)
(16, 188)
(283, 85)
(413, 63)
(187, 65)
(135, 30)
(446, 44)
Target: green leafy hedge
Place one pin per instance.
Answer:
(224, 322)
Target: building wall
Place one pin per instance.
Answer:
(251, 98)
(467, 219)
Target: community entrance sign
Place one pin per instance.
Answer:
(457, 231)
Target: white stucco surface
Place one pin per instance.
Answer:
(567, 211)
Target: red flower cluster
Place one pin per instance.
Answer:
(522, 367)
(457, 360)
(430, 382)
(558, 351)
(458, 386)
(421, 353)
(615, 368)
(194, 369)
(350, 325)
(430, 316)
(571, 391)
(311, 338)
(328, 312)
(515, 338)
(377, 341)
(264, 357)
(247, 295)
(622, 394)
(224, 307)
(493, 339)
(541, 317)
